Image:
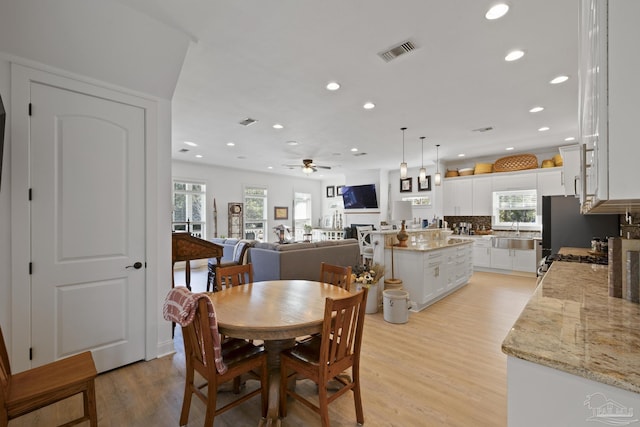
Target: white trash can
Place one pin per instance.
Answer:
(395, 306)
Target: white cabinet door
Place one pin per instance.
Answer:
(482, 196)
(524, 260)
(457, 195)
(501, 259)
(570, 169)
(550, 182)
(481, 256)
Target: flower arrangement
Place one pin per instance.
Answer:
(365, 275)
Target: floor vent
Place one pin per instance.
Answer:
(247, 122)
(398, 50)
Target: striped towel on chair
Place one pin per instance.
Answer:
(180, 307)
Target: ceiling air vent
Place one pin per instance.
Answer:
(183, 150)
(396, 51)
(248, 121)
(485, 129)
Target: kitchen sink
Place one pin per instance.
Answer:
(517, 243)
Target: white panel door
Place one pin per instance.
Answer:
(87, 221)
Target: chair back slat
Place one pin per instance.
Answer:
(234, 275)
(342, 331)
(336, 275)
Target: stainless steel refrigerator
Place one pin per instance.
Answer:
(564, 226)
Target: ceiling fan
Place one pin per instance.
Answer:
(308, 166)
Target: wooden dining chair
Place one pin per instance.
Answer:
(325, 359)
(240, 356)
(233, 275)
(240, 256)
(36, 388)
(336, 275)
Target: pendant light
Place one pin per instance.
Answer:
(438, 178)
(403, 165)
(423, 172)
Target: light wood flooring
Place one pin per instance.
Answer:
(442, 368)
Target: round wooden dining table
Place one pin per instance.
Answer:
(275, 311)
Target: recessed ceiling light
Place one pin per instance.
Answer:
(292, 143)
(333, 86)
(278, 126)
(461, 155)
(571, 138)
(559, 79)
(269, 167)
(198, 156)
(509, 148)
(544, 128)
(231, 144)
(497, 11)
(354, 149)
(191, 144)
(369, 106)
(536, 109)
(514, 55)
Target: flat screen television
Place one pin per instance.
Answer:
(360, 197)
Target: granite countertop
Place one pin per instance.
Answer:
(571, 324)
(432, 245)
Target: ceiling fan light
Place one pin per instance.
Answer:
(307, 169)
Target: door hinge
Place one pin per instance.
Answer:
(30, 353)
(29, 108)
(30, 268)
(30, 194)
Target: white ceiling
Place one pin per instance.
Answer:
(271, 60)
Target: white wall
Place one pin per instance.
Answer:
(226, 185)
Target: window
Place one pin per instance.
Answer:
(515, 210)
(255, 213)
(301, 214)
(189, 208)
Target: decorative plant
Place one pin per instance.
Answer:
(365, 275)
(307, 228)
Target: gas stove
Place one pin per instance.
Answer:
(586, 259)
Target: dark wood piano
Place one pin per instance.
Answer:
(185, 247)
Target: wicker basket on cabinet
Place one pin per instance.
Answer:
(516, 163)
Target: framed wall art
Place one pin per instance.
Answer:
(339, 190)
(426, 186)
(281, 212)
(405, 185)
(331, 191)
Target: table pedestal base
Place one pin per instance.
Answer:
(273, 349)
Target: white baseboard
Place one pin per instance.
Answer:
(165, 348)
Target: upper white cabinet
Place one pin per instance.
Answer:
(570, 169)
(457, 197)
(482, 196)
(609, 109)
(506, 181)
(550, 182)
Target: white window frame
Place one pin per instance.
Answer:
(522, 200)
(259, 233)
(196, 228)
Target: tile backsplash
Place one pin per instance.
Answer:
(477, 221)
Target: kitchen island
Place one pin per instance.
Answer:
(574, 352)
(430, 267)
